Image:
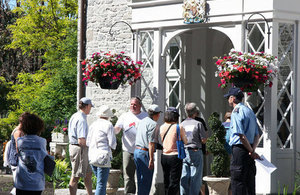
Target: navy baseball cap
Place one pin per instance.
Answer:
(172, 109)
(234, 91)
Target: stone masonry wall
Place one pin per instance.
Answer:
(101, 15)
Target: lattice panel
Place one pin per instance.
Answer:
(285, 86)
(257, 103)
(256, 37)
(174, 73)
(146, 53)
(255, 42)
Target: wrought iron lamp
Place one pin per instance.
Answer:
(132, 31)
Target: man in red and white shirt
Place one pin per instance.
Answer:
(128, 122)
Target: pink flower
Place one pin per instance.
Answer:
(219, 62)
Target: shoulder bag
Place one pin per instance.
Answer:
(180, 144)
(100, 158)
(97, 156)
(12, 153)
(49, 165)
(167, 132)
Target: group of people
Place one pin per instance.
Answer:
(90, 148)
(141, 136)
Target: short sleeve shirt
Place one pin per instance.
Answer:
(78, 127)
(195, 131)
(146, 132)
(243, 121)
(129, 123)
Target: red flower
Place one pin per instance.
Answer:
(270, 84)
(219, 62)
(119, 66)
(258, 67)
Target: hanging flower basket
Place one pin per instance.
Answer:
(109, 70)
(247, 71)
(107, 82)
(244, 83)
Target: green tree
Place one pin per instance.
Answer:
(12, 61)
(48, 28)
(43, 24)
(5, 88)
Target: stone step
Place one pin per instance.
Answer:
(83, 191)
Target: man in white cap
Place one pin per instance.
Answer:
(78, 150)
(129, 122)
(145, 146)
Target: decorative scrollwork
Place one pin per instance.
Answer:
(194, 11)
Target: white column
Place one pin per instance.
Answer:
(159, 89)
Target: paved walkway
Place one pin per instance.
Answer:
(6, 184)
(83, 192)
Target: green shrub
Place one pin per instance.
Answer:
(215, 145)
(62, 175)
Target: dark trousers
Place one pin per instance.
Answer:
(243, 171)
(172, 167)
(24, 192)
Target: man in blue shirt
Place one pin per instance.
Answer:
(145, 146)
(243, 140)
(78, 150)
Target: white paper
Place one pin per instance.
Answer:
(130, 135)
(265, 164)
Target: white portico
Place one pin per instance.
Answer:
(179, 67)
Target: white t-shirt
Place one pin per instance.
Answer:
(129, 122)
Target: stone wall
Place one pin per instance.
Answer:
(101, 15)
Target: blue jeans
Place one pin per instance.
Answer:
(102, 176)
(144, 175)
(191, 176)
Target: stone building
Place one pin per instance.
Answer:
(179, 65)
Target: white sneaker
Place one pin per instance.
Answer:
(13, 191)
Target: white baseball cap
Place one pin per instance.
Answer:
(154, 108)
(104, 111)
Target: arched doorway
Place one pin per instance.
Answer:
(190, 70)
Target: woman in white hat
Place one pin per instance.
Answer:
(101, 139)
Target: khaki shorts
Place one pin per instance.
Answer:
(79, 160)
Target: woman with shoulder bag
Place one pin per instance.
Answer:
(171, 164)
(101, 139)
(31, 148)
